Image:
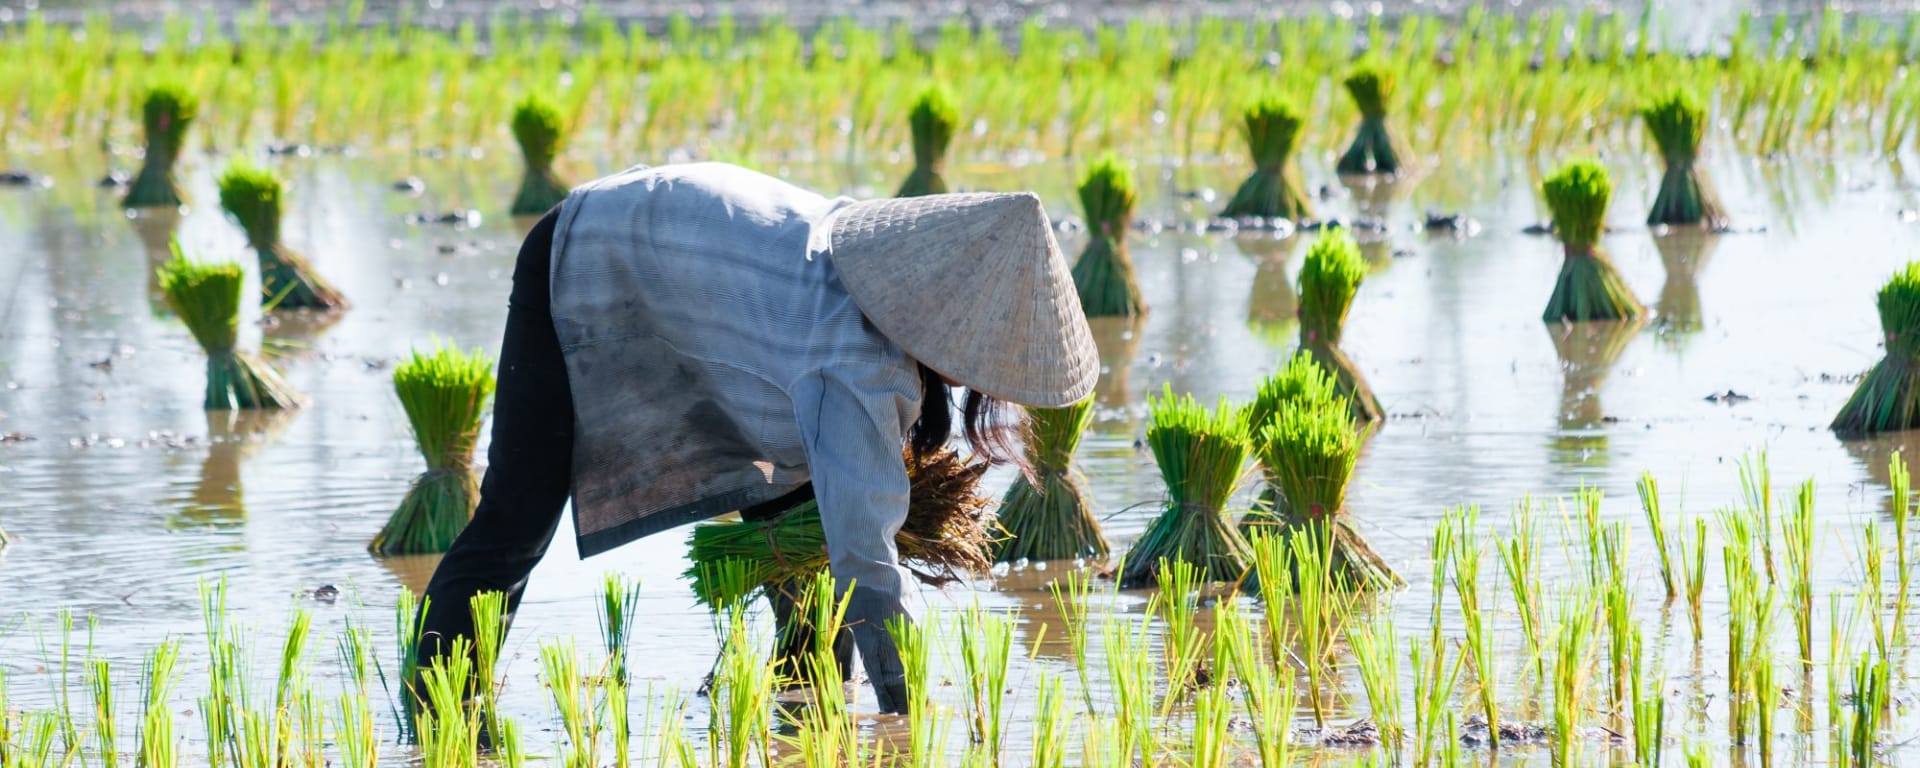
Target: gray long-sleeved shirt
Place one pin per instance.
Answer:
(716, 362)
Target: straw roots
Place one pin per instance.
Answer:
(256, 198)
(1588, 288)
(445, 395)
(1048, 516)
(1887, 399)
(948, 531)
(1373, 150)
(206, 296)
(1200, 454)
(540, 131)
(1274, 191)
(1104, 273)
(166, 113)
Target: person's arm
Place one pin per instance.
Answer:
(854, 421)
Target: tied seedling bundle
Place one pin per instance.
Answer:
(206, 296)
(1887, 399)
(540, 131)
(932, 120)
(445, 395)
(1200, 454)
(1677, 122)
(1104, 273)
(1302, 383)
(1048, 516)
(1373, 150)
(167, 111)
(1274, 191)
(1309, 450)
(1589, 288)
(1328, 282)
(256, 198)
(948, 531)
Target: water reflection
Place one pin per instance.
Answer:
(219, 498)
(1118, 340)
(411, 571)
(1273, 304)
(1587, 353)
(156, 229)
(1683, 251)
(1875, 455)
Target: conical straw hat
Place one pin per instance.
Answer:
(974, 287)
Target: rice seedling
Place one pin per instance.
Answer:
(1798, 524)
(1310, 450)
(1049, 725)
(619, 604)
(445, 395)
(1272, 127)
(256, 198)
(1212, 712)
(1887, 399)
(206, 296)
(1766, 704)
(1588, 288)
(986, 648)
(489, 611)
(1104, 273)
(1071, 594)
(1177, 604)
(1433, 685)
(1656, 522)
(1049, 515)
(105, 728)
(1649, 706)
(1755, 522)
(541, 132)
(290, 681)
(926, 720)
(408, 633)
(356, 738)
(1462, 531)
(1329, 279)
(1321, 596)
(1520, 559)
(509, 750)
(1570, 676)
(1873, 570)
(948, 532)
(573, 700)
(166, 112)
(1693, 562)
(1301, 383)
(1200, 455)
(1902, 504)
(1616, 599)
(158, 745)
(932, 121)
(1677, 120)
(1371, 85)
(1860, 727)
(746, 678)
(1130, 675)
(449, 731)
(1376, 652)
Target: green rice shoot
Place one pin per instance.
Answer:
(1272, 127)
(445, 394)
(166, 113)
(256, 198)
(1588, 288)
(1329, 280)
(1301, 383)
(1887, 399)
(1049, 516)
(1201, 454)
(1104, 273)
(540, 130)
(1373, 149)
(932, 121)
(206, 297)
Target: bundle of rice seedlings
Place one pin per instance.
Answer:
(206, 296)
(445, 394)
(1308, 451)
(1273, 308)
(1328, 281)
(257, 198)
(1301, 383)
(1677, 120)
(1589, 288)
(1048, 516)
(1274, 191)
(1104, 273)
(1682, 253)
(1373, 150)
(1887, 399)
(1200, 454)
(932, 121)
(168, 110)
(948, 531)
(540, 130)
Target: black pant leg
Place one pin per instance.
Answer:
(529, 462)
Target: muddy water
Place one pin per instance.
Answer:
(122, 495)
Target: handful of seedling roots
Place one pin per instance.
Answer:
(949, 531)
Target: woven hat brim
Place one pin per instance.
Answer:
(973, 286)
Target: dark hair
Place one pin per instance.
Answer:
(990, 424)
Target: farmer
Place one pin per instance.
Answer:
(691, 340)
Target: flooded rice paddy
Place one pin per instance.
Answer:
(121, 495)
